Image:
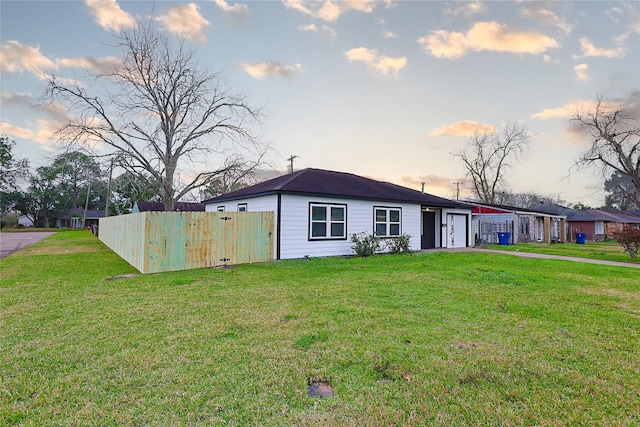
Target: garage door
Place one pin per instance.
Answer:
(457, 237)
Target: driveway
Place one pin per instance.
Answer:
(14, 241)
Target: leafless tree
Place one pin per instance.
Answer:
(488, 155)
(161, 113)
(613, 131)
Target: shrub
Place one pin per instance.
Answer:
(365, 244)
(399, 244)
(629, 239)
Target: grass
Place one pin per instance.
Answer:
(607, 250)
(428, 339)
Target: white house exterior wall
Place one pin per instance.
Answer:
(294, 225)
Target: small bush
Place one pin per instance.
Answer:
(629, 239)
(365, 244)
(399, 244)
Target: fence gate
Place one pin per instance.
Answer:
(167, 241)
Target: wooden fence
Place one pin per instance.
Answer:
(167, 241)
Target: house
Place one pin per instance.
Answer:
(609, 221)
(597, 224)
(525, 225)
(75, 217)
(159, 207)
(317, 211)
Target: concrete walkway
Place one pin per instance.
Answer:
(13, 241)
(545, 256)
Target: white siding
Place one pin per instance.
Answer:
(462, 227)
(255, 204)
(294, 223)
(295, 241)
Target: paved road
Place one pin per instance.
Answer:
(11, 242)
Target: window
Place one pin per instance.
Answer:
(221, 208)
(387, 222)
(242, 207)
(525, 226)
(327, 221)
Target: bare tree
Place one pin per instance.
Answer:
(161, 113)
(488, 155)
(613, 131)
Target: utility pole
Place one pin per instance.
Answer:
(290, 160)
(457, 183)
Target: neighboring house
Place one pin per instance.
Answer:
(25, 221)
(609, 221)
(597, 224)
(76, 216)
(159, 207)
(317, 211)
(525, 225)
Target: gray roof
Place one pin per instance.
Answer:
(178, 206)
(588, 215)
(324, 183)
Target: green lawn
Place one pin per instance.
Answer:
(608, 250)
(443, 338)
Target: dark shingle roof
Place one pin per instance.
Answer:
(324, 183)
(179, 206)
(572, 214)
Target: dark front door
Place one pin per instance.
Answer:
(428, 240)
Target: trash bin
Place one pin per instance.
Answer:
(503, 238)
(581, 238)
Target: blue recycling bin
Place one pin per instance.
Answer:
(503, 238)
(581, 238)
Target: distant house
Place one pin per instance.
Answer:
(317, 211)
(525, 225)
(159, 207)
(597, 224)
(75, 217)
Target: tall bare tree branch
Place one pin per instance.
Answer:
(163, 113)
(612, 130)
(487, 157)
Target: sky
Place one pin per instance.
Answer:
(383, 89)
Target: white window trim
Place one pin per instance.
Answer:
(328, 221)
(242, 205)
(220, 208)
(388, 222)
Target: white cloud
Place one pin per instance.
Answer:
(582, 73)
(547, 17)
(381, 63)
(271, 68)
(467, 9)
(389, 34)
(589, 50)
(491, 36)
(186, 20)
(329, 10)
(96, 65)
(565, 111)
(15, 98)
(15, 57)
(16, 131)
(324, 30)
(462, 128)
(109, 15)
(238, 8)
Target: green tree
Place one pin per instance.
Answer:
(11, 170)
